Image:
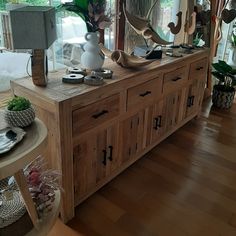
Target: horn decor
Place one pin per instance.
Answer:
(123, 59)
(142, 26)
(174, 29)
(191, 28)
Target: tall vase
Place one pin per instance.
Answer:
(92, 57)
(232, 57)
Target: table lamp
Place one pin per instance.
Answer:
(34, 27)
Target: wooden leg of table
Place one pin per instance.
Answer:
(22, 184)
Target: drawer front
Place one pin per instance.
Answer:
(95, 114)
(198, 69)
(143, 93)
(174, 79)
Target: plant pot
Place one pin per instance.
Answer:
(20, 118)
(221, 98)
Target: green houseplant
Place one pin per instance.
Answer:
(224, 91)
(19, 112)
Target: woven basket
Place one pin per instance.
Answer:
(222, 99)
(20, 118)
(11, 209)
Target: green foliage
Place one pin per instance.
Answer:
(18, 104)
(225, 74)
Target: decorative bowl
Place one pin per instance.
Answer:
(20, 118)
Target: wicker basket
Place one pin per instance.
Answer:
(12, 208)
(20, 118)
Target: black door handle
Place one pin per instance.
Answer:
(199, 68)
(157, 122)
(176, 79)
(111, 152)
(104, 162)
(103, 112)
(145, 94)
(189, 102)
(192, 100)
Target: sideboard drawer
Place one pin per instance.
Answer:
(95, 114)
(198, 69)
(143, 93)
(174, 79)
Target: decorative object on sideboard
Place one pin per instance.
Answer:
(34, 27)
(92, 58)
(93, 80)
(123, 59)
(224, 91)
(143, 27)
(104, 73)
(19, 112)
(73, 78)
(76, 70)
(175, 29)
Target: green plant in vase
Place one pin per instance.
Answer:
(224, 91)
(19, 112)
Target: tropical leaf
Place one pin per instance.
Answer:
(82, 4)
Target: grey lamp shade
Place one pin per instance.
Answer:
(33, 27)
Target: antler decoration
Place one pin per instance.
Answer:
(191, 28)
(175, 29)
(142, 26)
(123, 59)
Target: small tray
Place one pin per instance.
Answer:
(9, 137)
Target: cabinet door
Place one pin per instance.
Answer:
(155, 123)
(194, 97)
(173, 109)
(95, 157)
(132, 136)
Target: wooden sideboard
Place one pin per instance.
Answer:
(97, 132)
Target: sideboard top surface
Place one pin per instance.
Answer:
(57, 91)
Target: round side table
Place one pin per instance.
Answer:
(13, 162)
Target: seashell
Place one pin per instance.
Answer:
(174, 29)
(123, 59)
(143, 27)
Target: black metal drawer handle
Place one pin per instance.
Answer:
(103, 112)
(189, 101)
(176, 79)
(145, 94)
(104, 162)
(157, 122)
(111, 152)
(199, 68)
(192, 100)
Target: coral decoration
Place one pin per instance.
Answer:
(42, 184)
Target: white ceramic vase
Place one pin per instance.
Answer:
(92, 57)
(232, 57)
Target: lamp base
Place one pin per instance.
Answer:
(39, 67)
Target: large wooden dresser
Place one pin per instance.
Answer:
(97, 132)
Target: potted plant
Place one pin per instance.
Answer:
(19, 112)
(224, 91)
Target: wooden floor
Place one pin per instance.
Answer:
(184, 186)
